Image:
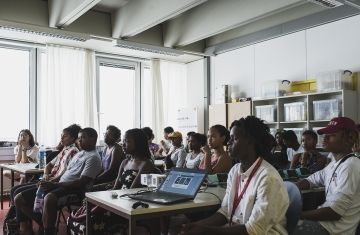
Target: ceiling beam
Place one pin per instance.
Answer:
(293, 26)
(139, 15)
(203, 22)
(62, 13)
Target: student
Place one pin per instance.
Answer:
(340, 213)
(56, 168)
(279, 157)
(193, 158)
(263, 199)
(190, 133)
(310, 158)
(165, 145)
(26, 151)
(291, 142)
(154, 148)
(219, 161)
(138, 162)
(177, 157)
(78, 177)
(111, 157)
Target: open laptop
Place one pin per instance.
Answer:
(180, 185)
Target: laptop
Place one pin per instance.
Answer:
(180, 185)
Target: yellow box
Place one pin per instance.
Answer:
(303, 86)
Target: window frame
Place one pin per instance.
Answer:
(32, 79)
(137, 93)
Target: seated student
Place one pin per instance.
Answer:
(190, 133)
(154, 148)
(78, 177)
(256, 200)
(219, 161)
(26, 151)
(56, 168)
(292, 144)
(340, 213)
(193, 158)
(310, 158)
(177, 157)
(111, 157)
(279, 157)
(138, 162)
(165, 145)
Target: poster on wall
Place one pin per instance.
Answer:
(187, 120)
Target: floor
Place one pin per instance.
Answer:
(175, 224)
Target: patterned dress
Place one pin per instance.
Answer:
(106, 223)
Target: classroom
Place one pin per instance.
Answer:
(185, 117)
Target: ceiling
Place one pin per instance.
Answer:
(176, 30)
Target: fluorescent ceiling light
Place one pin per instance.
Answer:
(148, 48)
(43, 31)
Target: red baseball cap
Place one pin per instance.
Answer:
(338, 124)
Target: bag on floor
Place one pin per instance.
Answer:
(11, 226)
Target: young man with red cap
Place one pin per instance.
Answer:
(340, 213)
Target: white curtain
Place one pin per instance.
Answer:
(157, 118)
(168, 94)
(67, 94)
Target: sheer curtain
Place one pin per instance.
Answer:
(67, 94)
(168, 94)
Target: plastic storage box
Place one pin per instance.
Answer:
(326, 109)
(334, 80)
(266, 112)
(295, 111)
(320, 137)
(271, 89)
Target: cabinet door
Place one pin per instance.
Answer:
(217, 114)
(237, 111)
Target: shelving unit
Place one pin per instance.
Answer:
(347, 107)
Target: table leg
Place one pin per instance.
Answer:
(2, 188)
(88, 225)
(12, 178)
(132, 226)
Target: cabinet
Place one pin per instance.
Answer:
(307, 111)
(225, 114)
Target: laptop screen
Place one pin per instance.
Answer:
(183, 181)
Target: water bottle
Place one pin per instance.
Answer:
(39, 201)
(42, 157)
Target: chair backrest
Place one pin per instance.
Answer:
(295, 206)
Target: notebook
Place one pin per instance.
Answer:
(180, 185)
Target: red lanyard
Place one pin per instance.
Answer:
(238, 198)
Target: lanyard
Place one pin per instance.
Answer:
(238, 198)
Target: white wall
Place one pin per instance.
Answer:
(297, 56)
(195, 90)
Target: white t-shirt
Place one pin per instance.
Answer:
(291, 152)
(192, 161)
(31, 153)
(264, 204)
(178, 157)
(87, 163)
(343, 194)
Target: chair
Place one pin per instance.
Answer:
(72, 202)
(295, 206)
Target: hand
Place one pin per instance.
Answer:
(46, 185)
(206, 150)
(193, 229)
(46, 177)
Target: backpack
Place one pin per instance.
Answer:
(11, 226)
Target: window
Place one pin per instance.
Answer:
(117, 94)
(147, 98)
(14, 92)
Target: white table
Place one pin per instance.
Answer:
(22, 168)
(123, 206)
